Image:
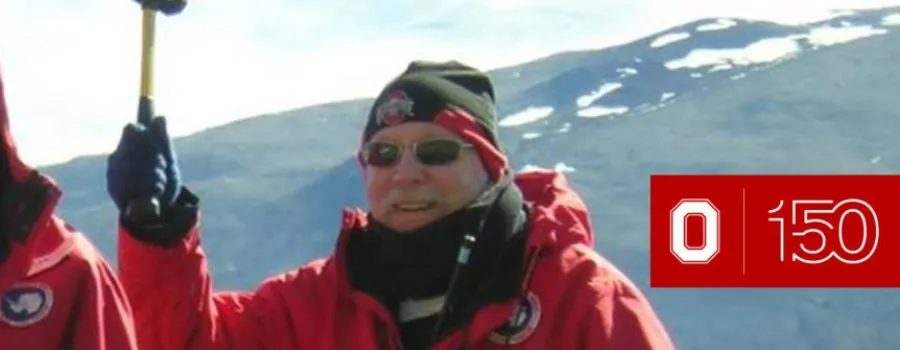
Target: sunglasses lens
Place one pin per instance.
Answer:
(381, 154)
(437, 152)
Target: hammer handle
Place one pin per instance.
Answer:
(146, 209)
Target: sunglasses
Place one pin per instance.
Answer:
(432, 152)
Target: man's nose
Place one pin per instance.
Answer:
(408, 169)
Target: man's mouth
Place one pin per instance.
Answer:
(413, 207)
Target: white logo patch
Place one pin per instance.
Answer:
(396, 107)
(26, 304)
(521, 324)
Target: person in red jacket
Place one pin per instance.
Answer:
(56, 289)
(456, 251)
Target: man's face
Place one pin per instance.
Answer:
(409, 194)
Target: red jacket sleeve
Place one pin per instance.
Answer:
(619, 316)
(170, 290)
(103, 320)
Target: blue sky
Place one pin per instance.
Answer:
(71, 66)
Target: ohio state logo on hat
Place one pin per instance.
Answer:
(521, 324)
(394, 109)
(26, 304)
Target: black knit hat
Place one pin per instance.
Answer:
(426, 88)
(451, 94)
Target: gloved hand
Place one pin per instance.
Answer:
(144, 165)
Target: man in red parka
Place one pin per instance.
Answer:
(56, 290)
(456, 251)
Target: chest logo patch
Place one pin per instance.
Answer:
(521, 324)
(26, 304)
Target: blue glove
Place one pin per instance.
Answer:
(144, 165)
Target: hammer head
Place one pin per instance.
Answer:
(167, 7)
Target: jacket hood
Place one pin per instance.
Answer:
(27, 200)
(559, 217)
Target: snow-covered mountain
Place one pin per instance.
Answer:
(712, 96)
(655, 71)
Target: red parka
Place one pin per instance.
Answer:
(575, 298)
(56, 290)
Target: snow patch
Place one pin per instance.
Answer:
(738, 76)
(559, 167)
(599, 111)
(724, 66)
(762, 51)
(531, 135)
(664, 99)
(595, 95)
(696, 75)
(624, 72)
(529, 115)
(531, 167)
(669, 38)
(649, 108)
(827, 36)
(717, 25)
(564, 128)
(875, 160)
(772, 49)
(563, 168)
(891, 20)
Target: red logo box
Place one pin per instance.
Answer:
(775, 231)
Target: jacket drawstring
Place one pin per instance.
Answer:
(462, 263)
